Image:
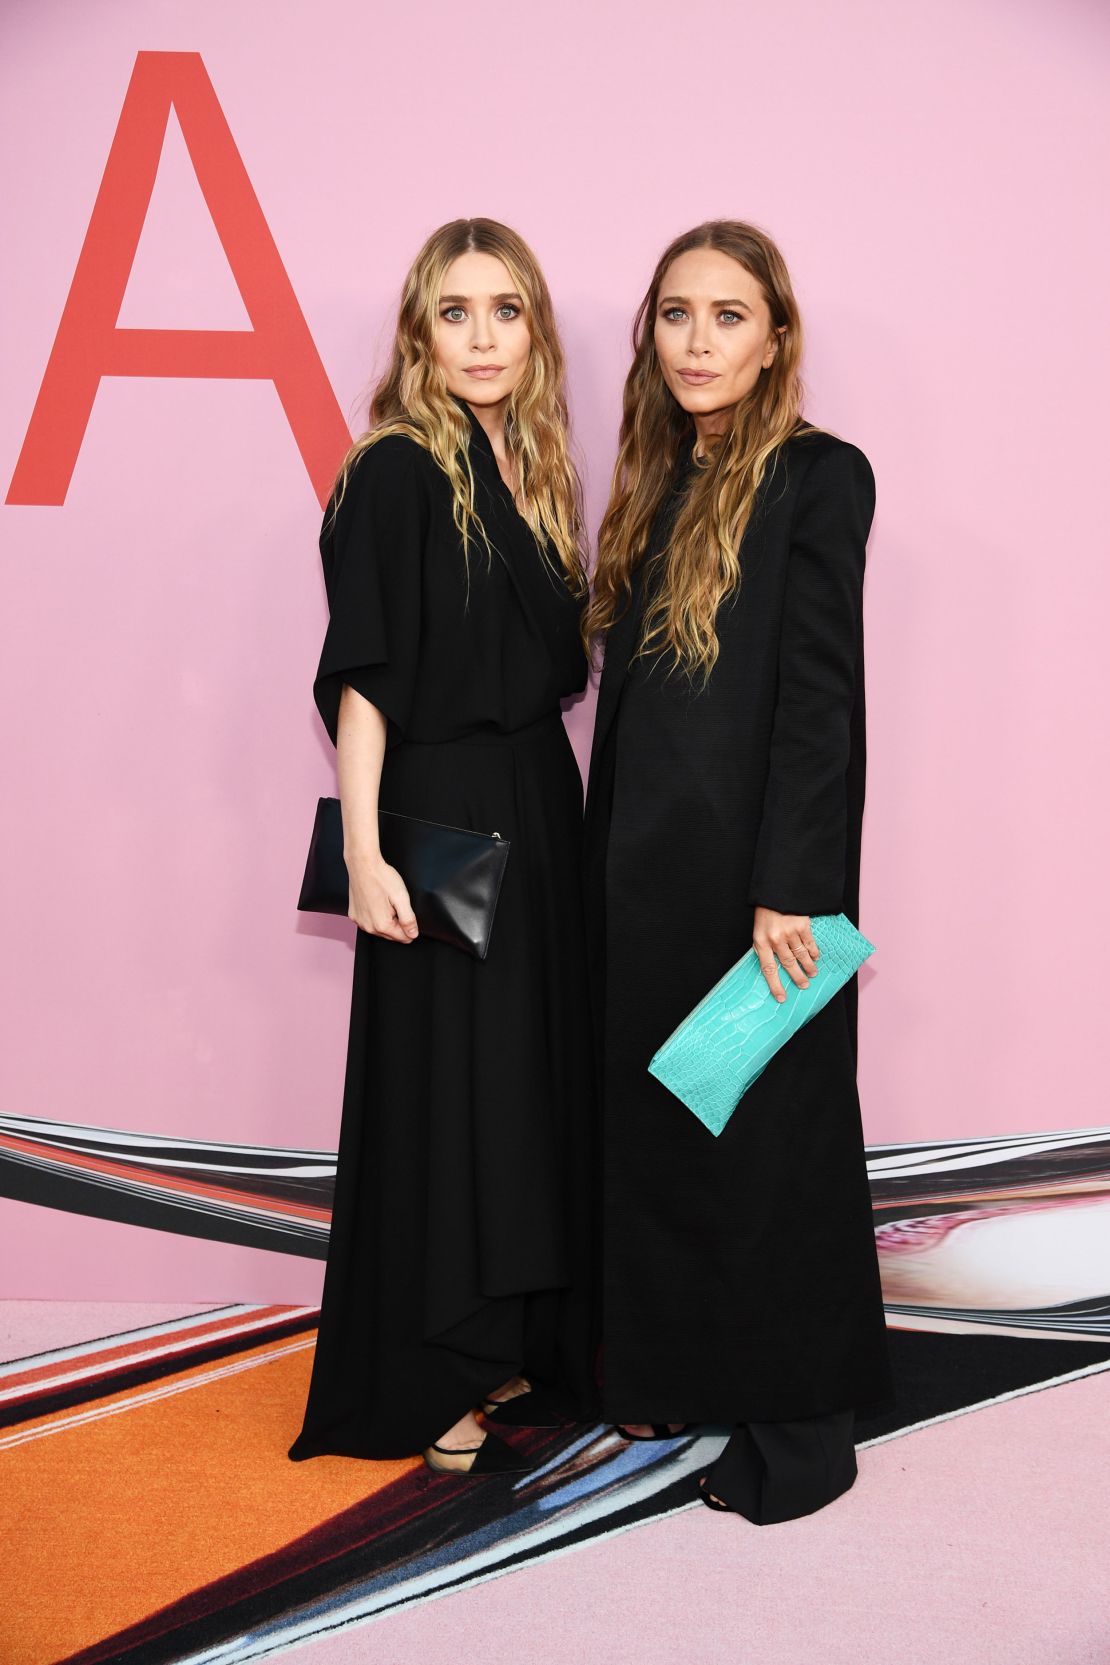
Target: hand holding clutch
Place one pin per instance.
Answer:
(730, 1037)
(453, 875)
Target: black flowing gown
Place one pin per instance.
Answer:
(740, 1279)
(461, 1246)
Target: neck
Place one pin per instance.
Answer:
(712, 424)
(491, 419)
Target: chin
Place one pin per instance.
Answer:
(485, 393)
(697, 401)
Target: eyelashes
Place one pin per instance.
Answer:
(673, 314)
(505, 313)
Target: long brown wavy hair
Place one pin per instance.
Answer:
(701, 566)
(412, 397)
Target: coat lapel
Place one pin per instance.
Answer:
(547, 604)
(624, 635)
(620, 645)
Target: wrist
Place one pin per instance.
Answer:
(362, 852)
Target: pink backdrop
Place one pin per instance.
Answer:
(936, 177)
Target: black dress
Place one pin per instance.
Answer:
(460, 1247)
(740, 1278)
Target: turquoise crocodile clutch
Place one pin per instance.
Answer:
(732, 1034)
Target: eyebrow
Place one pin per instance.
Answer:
(455, 300)
(681, 300)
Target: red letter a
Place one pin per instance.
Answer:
(88, 345)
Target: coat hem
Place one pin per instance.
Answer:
(718, 1413)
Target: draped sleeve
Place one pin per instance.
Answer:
(801, 854)
(373, 558)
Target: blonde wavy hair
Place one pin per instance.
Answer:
(412, 398)
(701, 566)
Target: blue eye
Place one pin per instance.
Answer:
(453, 314)
(672, 313)
(733, 317)
(510, 309)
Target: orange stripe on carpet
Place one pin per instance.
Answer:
(112, 1516)
(95, 1361)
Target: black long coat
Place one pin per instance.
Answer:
(464, 1216)
(740, 1277)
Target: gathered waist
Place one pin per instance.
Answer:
(543, 727)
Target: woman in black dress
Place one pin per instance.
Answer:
(459, 1266)
(740, 1282)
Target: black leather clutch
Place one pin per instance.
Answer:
(453, 876)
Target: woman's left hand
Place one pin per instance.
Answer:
(785, 938)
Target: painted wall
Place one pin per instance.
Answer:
(936, 177)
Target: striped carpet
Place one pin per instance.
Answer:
(150, 1514)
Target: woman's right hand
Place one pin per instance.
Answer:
(379, 900)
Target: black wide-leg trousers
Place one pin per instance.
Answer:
(776, 1471)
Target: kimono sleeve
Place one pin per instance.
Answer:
(373, 558)
(801, 853)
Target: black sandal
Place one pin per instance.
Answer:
(713, 1502)
(494, 1457)
(530, 1409)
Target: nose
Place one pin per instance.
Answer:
(481, 336)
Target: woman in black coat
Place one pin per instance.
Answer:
(740, 1281)
(459, 1270)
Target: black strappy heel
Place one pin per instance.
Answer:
(531, 1409)
(494, 1457)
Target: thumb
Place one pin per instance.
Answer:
(406, 919)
